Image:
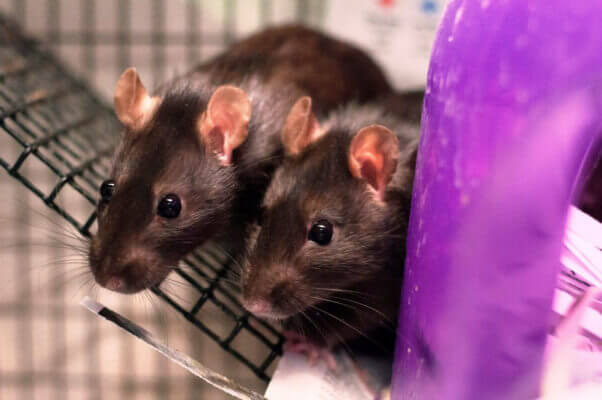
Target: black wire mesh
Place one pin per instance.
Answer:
(103, 37)
(57, 120)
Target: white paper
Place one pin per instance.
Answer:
(296, 379)
(573, 360)
(582, 261)
(398, 34)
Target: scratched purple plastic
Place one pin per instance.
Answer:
(513, 107)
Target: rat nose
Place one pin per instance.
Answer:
(114, 284)
(258, 306)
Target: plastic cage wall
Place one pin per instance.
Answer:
(56, 138)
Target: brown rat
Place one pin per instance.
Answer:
(327, 256)
(197, 156)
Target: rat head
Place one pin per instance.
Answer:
(172, 181)
(332, 215)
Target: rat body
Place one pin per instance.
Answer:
(196, 156)
(327, 258)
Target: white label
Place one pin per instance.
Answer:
(296, 379)
(398, 34)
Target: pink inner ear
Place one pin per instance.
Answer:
(223, 119)
(215, 141)
(370, 169)
(301, 128)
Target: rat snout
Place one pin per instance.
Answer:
(114, 284)
(119, 278)
(129, 271)
(258, 307)
(277, 300)
(131, 277)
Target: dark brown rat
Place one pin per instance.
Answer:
(197, 155)
(327, 256)
(327, 69)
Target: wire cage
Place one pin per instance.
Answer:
(57, 135)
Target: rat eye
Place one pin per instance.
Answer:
(169, 206)
(321, 232)
(107, 188)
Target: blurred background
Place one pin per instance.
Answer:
(51, 347)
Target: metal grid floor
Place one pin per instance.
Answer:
(56, 138)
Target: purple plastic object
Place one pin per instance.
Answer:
(512, 110)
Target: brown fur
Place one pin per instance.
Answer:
(302, 280)
(274, 68)
(327, 69)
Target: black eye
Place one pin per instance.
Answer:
(321, 232)
(107, 188)
(169, 206)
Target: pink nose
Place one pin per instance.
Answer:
(114, 284)
(259, 307)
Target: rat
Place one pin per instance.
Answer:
(196, 156)
(326, 257)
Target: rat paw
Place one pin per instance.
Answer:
(297, 343)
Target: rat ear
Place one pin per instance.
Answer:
(301, 127)
(224, 125)
(133, 105)
(373, 157)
